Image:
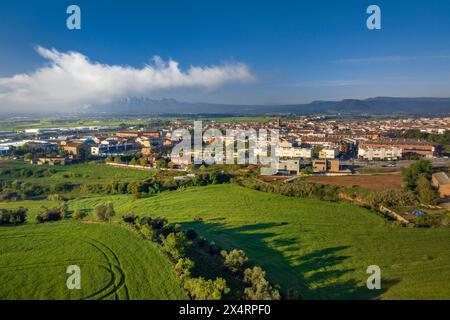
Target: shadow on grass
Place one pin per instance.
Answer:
(315, 275)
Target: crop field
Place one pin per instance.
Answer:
(115, 263)
(322, 249)
(372, 182)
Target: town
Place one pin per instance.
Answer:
(308, 145)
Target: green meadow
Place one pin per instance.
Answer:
(114, 262)
(321, 249)
(86, 173)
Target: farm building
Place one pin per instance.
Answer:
(441, 181)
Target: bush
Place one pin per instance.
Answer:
(201, 289)
(148, 232)
(105, 212)
(129, 218)
(412, 173)
(52, 214)
(16, 216)
(175, 244)
(9, 194)
(78, 214)
(260, 288)
(183, 267)
(425, 192)
(55, 197)
(391, 197)
(234, 260)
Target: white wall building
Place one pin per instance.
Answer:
(382, 153)
(331, 153)
(286, 150)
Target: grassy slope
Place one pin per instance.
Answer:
(88, 173)
(320, 248)
(115, 263)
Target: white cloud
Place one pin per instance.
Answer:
(71, 80)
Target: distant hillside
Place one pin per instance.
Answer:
(371, 106)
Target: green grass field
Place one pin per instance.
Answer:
(79, 173)
(320, 248)
(115, 263)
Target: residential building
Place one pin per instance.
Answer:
(379, 152)
(329, 153)
(289, 166)
(75, 147)
(4, 151)
(325, 165)
(395, 149)
(112, 147)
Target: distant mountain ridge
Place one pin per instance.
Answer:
(370, 106)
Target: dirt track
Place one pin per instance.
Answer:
(374, 182)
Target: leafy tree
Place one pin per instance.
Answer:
(110, 212)
(412, 173)
(28, 156)
(133, 161)
(148, 232)
(78, 214)
(14, 216)
(117, 160)
(174, 244)
(100, 211)
(129, 218)
(201, 289)
(51, 214)
(260, 288)
(105, 212)
(392, 197)
(234, 260)
(425, 192)
(183, 267)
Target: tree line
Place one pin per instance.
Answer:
(182, 245)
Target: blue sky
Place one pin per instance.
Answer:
(297, 51)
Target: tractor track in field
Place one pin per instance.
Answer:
(113, 266)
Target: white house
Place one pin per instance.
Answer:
(330, 153)
(381, 153)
